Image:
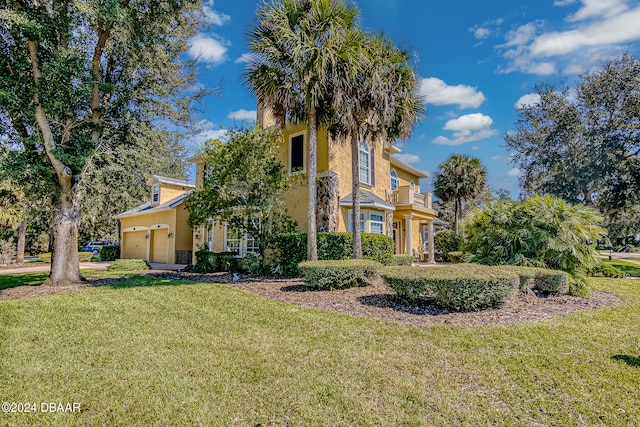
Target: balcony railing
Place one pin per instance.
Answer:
(410, 195)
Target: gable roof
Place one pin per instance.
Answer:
(146, 208)
(367, 200)
(400, 164)
(171, 181)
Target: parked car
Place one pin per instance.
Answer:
(96, 245)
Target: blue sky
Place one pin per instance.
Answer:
(477, 61)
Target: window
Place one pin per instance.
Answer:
(156, 193)
(365, 163)
(412, 185)
(394, 180)
(362, 222)
(236, 242)
(209, 236)
(376, 223)
(296, 153)
(370, 222)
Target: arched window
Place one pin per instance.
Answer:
(394, 180)
(365, 163)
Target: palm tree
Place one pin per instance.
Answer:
(461, 178)
(297, 46)
(375, 98)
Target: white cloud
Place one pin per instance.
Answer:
(487, 29)
(482, 33)
(475, 148)
(208, 49)
(207, 131)
(468, 128)
(496, 157)
(527, 100)
(242, 114)
(213, 17)
(409, 159)
(514, 172)
(244, 58)
(437, 92)
(598, 30)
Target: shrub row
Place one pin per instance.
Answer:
(340, 274)
(602, 269)
(464, 287)
(402, 260)
(82, 257)
(291, 249)
(109, 253)
(128, 265)
(207, 261)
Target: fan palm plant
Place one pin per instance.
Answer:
(297, 47)
(375, 98)
(460, 178)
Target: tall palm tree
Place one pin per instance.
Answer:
(297, 47)
(460, 178)
(375, 99)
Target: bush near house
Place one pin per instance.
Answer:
(340, 274)
(109, 253)
(208, 262)
(291, 249)
(129, 265)
(465, 287)
(444, 242)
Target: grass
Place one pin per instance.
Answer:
(154, 352)
(630, 268)
(35, 278)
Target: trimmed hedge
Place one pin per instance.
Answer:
(291, 249)
(207, 262)
(602, 269)
(545, 280)
(340, 274)
(128, 265)
(464, 287)
(402, 260)
(109, 253)
(82, 257)
(445, 241)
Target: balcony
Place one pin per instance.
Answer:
(410, 195)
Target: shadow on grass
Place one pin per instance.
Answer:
(632, 361)
(140, 280)
(391, 301)
(22, 279)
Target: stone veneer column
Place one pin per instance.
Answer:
(389, 214)
(327, 209)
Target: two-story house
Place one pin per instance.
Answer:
(391, 201)
(157, 231)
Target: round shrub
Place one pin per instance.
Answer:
(464, 287)
(109, 253)
(340, 274)
(402, 260)
(542, 279)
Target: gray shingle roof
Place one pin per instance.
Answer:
(367, 199)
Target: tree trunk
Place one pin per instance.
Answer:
(65, 266)
(355, 194)
(22, 235)
(456, 215)
(312, 245)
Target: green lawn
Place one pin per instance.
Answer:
(160, 353)
(630, 268)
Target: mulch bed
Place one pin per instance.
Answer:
(376, 302)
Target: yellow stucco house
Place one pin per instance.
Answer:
(157, 231)
(391, 201)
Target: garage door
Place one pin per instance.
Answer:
(159, 244)
(134, 245)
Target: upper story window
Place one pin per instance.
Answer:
(156, 193)
(296, 153)
(394, 180)
(412, 185)
(366, 164)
